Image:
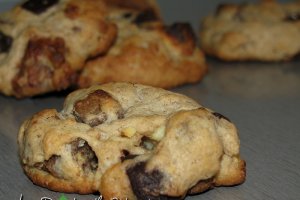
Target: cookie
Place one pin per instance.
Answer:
(140, 5)
(43, 44)
(130, 141)
(265, 31)
(147, 52)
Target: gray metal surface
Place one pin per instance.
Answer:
(263, 100)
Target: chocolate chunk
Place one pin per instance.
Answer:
(90, 109)
(220, 116)
(95, 121)
(182, 32)
(127, 156)
(292, 17)
(127, 15)
(49, 165)
(5, 42)
(145, 16)
(38, 6)
(76, 29)
(170, 198)
(145, 185)
(2, 21)
(84, 155)
(43, 68)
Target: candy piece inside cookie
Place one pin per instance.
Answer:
(5, 42)
(97, 108)
(163, 145)
(38, 6)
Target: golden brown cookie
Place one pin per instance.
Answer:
(43, 44)
(147, 52)
(130, 141)
(265, 31)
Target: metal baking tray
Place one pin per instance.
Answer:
(262, 99)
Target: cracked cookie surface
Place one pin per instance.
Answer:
(146, 51)
(152, 143)
(43, 44)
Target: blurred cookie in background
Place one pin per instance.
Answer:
(266, 31)
(43, 44)
(147, 51)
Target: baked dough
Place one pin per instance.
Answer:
(265, 31)
(147, 51)
(130, 141)
(43, 44)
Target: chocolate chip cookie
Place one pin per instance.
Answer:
(43, 44)
(147, 51)
(265, 31)
(131, 141)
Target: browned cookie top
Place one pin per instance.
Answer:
(43, 44)
(264, 31)
(147, 51)
(145, 142)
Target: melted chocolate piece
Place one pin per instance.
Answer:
(127, 156)
(5, 42)
(49, 165)
(220, 116)
(182, 32)
(127, 15)
(84, 155)
(170, 198)
(145, 16)
(43, 68)
(145, 185)
(99, 119)
(38, 6)
(292, 17)
(89, 110)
